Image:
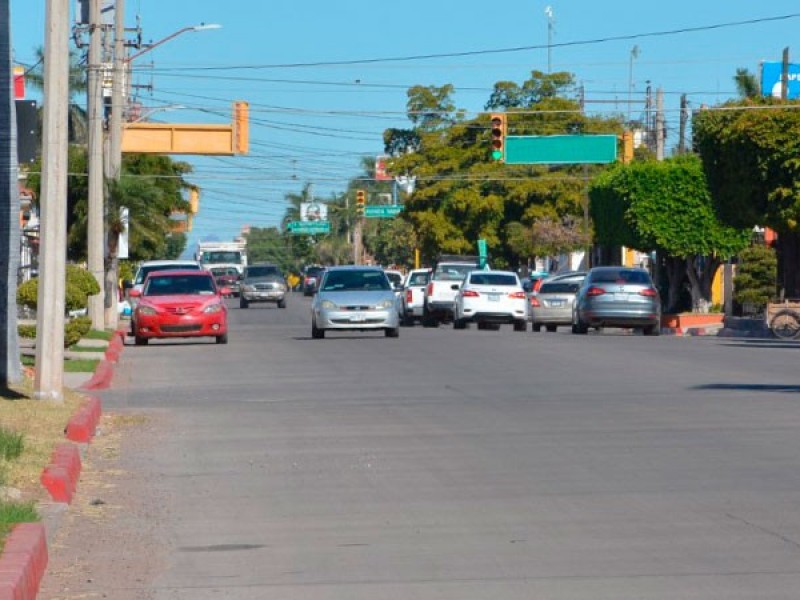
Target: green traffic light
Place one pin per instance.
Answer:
(497, 155)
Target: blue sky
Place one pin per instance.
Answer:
(312, 121)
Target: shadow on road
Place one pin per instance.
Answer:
(749, 387)
(9, 394)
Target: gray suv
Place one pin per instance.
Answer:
(262, 282)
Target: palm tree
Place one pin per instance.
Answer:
(10, 367)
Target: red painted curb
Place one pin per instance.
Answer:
(23, 562)
(115, 347)
(101, 378)
(60, 477)
(82, 426)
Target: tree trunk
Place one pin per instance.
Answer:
(676, 273)
(701, 271)
(788, 248)
(10, 366)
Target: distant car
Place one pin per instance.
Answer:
(228, 277)
(551, 306)
(180, 304)
(149, 266)
(263, 282)
(617, 297)
(491, 298)
(354, 298)
(412, 298)
(311, 277)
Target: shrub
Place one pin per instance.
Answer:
(80, 284)
(75, 329)
(755, 283)
(26, 331)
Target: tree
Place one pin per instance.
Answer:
(750, 151)
(666, 206)
(10, 366)
(755, 278)
(746, 84)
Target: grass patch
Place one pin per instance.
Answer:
(28, 361)
(95, 349)
(11, 444)
(12, 513)
(80, 365)
(96, 334)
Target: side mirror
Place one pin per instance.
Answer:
(134, 293)
(455, 287)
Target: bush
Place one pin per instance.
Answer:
(80, 284)
(755, 283)
(26, 331)
(75, 329)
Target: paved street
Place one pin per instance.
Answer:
(466, 465)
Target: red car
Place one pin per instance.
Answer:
(178, 304)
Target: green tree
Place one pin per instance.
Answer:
(751, 155)
(755, 276)
(746, 84)
(666, 206)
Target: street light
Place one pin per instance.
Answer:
(200, 27)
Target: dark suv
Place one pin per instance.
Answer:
(262, 282)
(311, 278)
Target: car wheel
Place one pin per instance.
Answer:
(459, 324)
(429, 320)
(536, 327)
(282, 303)
(140, 341)
(521, 326)
(580, 328)
(222, 339)
(651, 330)
(317, 333)
(243, 303)
(406, 321)
(392, 332)
(552, 328)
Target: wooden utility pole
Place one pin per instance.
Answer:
(357, 245)
(95, 241)
(660, 124)
(785, 74)
(684, 123)
(49, 380)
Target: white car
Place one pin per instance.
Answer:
(490, 299)
(412, 299)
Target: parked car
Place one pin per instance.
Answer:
(311, 277)
(228, 277)
(151, 266)
(491, 298)
(551, 306)
(412, 298)
(440, 293)
(179, 304)
(263, 282)
(617, 297)
(354, 298)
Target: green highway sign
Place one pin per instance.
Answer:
(560, 149)
(381, 211)
(308, 227)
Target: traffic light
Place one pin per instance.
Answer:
(361, 201)
(498, 136)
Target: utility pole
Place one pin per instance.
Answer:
(95, 239)
(115, 156)
(357, 232)
(548, 10)
(684, 123)
(49, 379)
(660, 124)
(785, 74)
(634, 55)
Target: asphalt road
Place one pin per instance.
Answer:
(471, 464)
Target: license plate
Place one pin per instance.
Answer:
(621, 297)
(556, 303)
(358, 318)
(494, 297)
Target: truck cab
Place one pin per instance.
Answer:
(445, 281)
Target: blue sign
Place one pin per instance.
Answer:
(771, 73)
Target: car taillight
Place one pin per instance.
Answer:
(430, 289)
(649, 292)
(595, 291)
(470, 294)
(535, 301)
(409, 296)
(517, 295)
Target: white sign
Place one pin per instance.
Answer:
(313, 211)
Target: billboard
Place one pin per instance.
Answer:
(313, 211)
(771, 80)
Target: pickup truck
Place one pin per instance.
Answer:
(440, 294)
(412, 299)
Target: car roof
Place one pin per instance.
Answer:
(493, 272)
(354, 268)
(166, 262)
(192, 272)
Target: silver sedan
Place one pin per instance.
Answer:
(354, 298)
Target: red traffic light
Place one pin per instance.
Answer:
(498, 136)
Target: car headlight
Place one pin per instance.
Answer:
(280, 287)
(385, 304)
(146, 310)
(213, 308)
(248, 288)
(327, 305)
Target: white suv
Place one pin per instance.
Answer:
(442, 288)
(490, 299)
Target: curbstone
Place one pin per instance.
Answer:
(82, 426)
(23, 562)
(101, 378)
(60, 477)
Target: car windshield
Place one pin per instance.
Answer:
(221, 257)
(492, 279)
(264, 271)
(346, 281)
(621, 276)
(222, 271)
(419, 279)
(169, 285)
(313, 271)
(558, 287)
(395, 278)
(453, 272)
(145, 270)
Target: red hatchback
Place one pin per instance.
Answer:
(177, 304)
